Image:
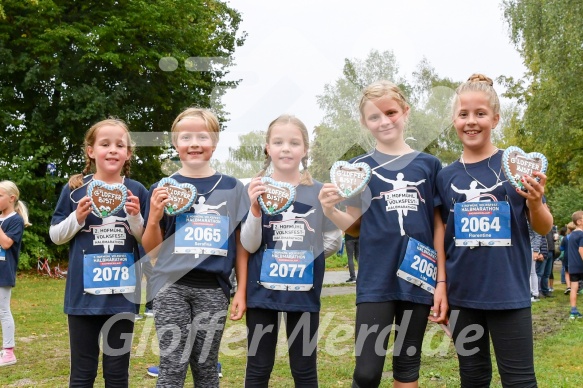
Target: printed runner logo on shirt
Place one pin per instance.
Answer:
(292, 227)
(404, 196)
(111, 233)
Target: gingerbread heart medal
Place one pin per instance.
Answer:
(277, 198)
(106, 199)
(517, 163)
(351, 178)
(182, 196)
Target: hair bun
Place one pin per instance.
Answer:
(476, 77)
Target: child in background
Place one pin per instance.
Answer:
(565, 255)
(271, 286)
(191, 290)
(13, 220)
(387, 226)
(575, 257)
(108, 150)
(488, 282)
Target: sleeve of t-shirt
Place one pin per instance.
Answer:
(244, 202)
(14, 229)
(436, 169)
(64, 206)
(147, 204)
(441, 194)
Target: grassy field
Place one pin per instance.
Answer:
(43, 360)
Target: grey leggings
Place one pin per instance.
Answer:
(6, 317)
(189, 323)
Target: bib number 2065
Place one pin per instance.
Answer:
(202, 234)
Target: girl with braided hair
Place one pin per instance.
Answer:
(285, 270)
(108, 150)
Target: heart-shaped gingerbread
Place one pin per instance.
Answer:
(182, 196)
(278, 196)
(517, 163)
(351, 178)
(106, 199)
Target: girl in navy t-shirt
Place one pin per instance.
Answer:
(195, 253)
(487, 246)
(398, 215)
(13, 220)
(286, 265)
(103, 284)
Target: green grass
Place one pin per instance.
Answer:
(43, 359)
(338, 262)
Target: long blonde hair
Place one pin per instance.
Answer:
(19, 207)
(306, 178)
(77, 180)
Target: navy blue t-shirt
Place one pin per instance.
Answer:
(488, 278)
(301, 227)
(98, 236)
(399, 202)
(13, 227)
(574, 257)
(219, 195)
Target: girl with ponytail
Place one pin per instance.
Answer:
(13, 220)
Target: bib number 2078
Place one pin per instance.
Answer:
(110, 273)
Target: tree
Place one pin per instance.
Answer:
(65, 65)
(246, 160)
(340, 136)
(549, 36)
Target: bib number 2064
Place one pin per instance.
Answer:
(482, 224)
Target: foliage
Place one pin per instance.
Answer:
(563, 201)
(340, 135)
(549, 36)
(65, 65)
(246, 160)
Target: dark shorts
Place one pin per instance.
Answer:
(576, 277)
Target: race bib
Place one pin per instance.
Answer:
(287, 270)
(419, 266)
(109, 273)
(2, 254)
(482, 224)
(200, 234)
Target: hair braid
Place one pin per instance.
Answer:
(266, 164)
(306, 176)
(126, 168)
